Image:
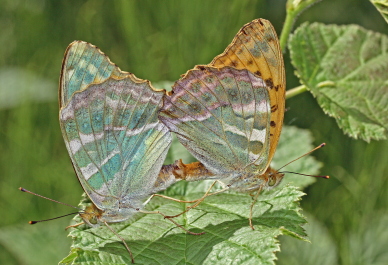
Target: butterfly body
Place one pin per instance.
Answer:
(248, 182)
(237, 181)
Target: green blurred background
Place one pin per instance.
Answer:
(160, 40)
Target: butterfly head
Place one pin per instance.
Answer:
(272, 178)
(91, 215)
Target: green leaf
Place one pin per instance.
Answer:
(346, 69)
(382, 7)
(228, 239)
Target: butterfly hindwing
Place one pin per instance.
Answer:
(110, 126)
(229, 114)
(221, 117)
(257, 49)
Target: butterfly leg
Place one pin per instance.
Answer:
(200, 200)
(75, 225)
(251, 208)
(122, 239)
(168, 198)
(197, 201)
(169, 218)
(203, 197)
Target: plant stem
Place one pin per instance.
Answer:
(287, 27)
(293, 9)
(302, 88)
(295, 91)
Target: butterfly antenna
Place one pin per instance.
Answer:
(316, 148)
(325, 177)
(34, 222)
(24, 190)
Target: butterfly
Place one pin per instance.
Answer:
(117, 145)
(229, 113)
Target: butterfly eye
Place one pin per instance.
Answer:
(271, 181)
(93, 220)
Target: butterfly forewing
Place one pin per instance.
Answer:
(109, 123)
(256, 48)
(84, 64)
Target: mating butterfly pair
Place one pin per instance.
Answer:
(117, 128)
